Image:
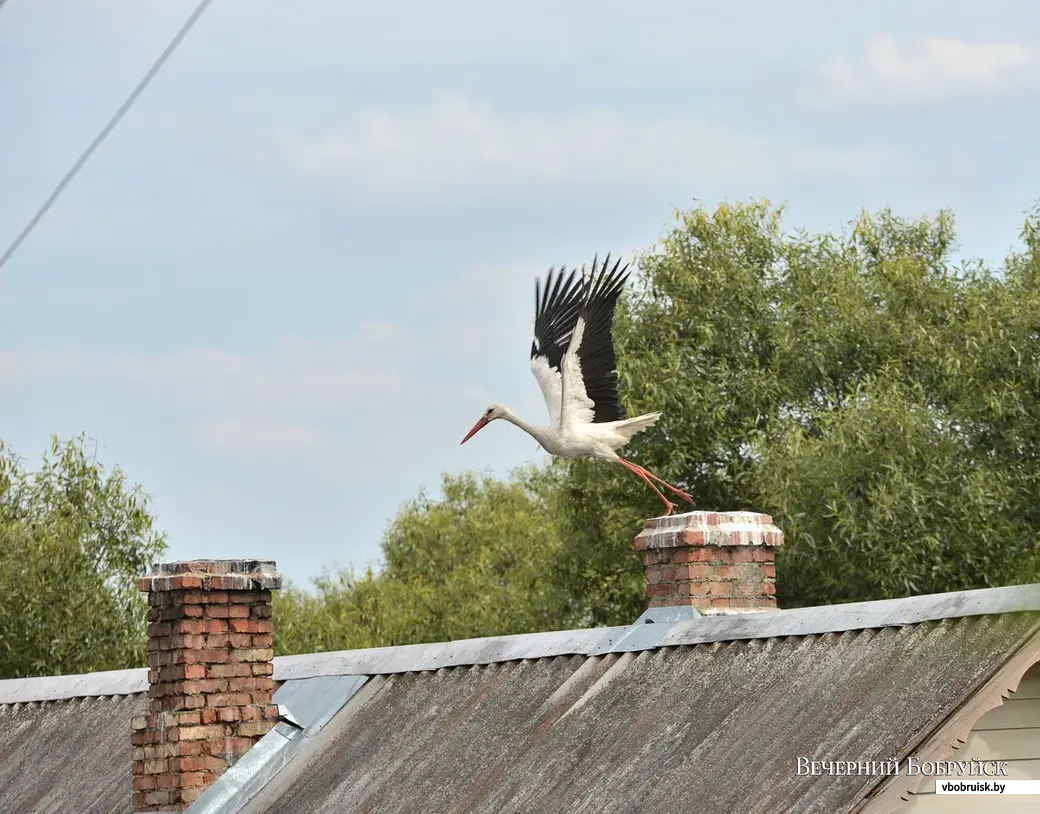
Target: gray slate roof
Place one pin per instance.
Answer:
(702, 715)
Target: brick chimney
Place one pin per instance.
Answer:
(717, 562)
(210, 662)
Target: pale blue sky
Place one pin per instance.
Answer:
(303, 265)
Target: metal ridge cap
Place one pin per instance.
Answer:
(583, 641)
(705, 629)
(85, 685)
(850, 616)
(438, 655)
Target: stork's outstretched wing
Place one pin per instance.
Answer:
(589, 386)
(556, 310)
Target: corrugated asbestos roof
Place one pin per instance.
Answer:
(68, 756)
(704, 714)
(706, 728)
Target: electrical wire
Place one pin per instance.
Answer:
(106, 130)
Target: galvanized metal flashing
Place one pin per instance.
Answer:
(668, 616)
(595, 641)
(305, 705)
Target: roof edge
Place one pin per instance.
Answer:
(590, 642)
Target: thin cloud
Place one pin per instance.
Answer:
(291, 373)
(930, 69)
(456, 149)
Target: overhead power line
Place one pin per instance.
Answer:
(106, 130)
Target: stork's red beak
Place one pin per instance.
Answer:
(476, 428)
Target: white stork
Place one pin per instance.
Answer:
(572, 357)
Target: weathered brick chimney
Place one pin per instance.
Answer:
(717, 562)
(210, 663)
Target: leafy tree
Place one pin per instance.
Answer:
(73, 541)
(879, 400)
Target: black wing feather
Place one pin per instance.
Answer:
(596, 353)
(556, 308)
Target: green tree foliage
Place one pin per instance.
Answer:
(876, 396)
(73, 540)
(879, 399)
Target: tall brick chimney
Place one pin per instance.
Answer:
(210, 662)
(716, 562)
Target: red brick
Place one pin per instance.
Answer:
(229, 670)
(251, 713)
(166, 781)
(238, 611)
(229, 746)
(159, 797)
(187, 748)
(194, 671)
(217, 611)
(727, 589)
(189, 626)
(202, 733)
(242, 625)
(190, 780)
(206, 655)
(692, 555)
(158, 629)
(217, 641)
(191, 764)
(242, 684)
(228, 699)
(253, 729)
(264, 654)
(263, 640)
(697, 571)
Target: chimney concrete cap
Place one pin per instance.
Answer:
(709, 529)
(219, 575)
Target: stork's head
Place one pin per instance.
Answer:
(490, 414)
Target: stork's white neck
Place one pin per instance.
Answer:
(539, 434)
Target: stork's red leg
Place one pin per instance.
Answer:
(631, 467)
(667, 485)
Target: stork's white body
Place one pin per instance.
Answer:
(576, 439)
